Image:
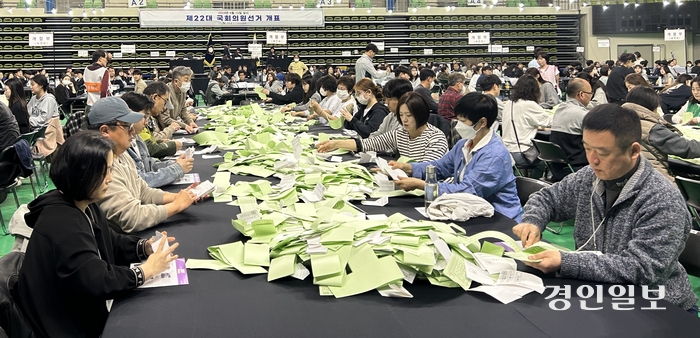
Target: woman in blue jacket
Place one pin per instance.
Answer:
(479, 163)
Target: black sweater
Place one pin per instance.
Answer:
(296, 96)
(616, 83)
(365, 124)
(22, 117)
(64, 282)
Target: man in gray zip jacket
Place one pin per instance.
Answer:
(631, 223)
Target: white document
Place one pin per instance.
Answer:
(301, 272)
(286, 162)
(378, 217)
(409, 275)
(368, 157)
(421, 210)
(249, 216)
(286, 182)
(314, 246)
(314, 196)
(185, 140)
(478, 275)
(204, 188)
(394, 173)
(336, 159)
(393, 290)
(207, 150)
(494, 264)
(189, 152)
(167, 277)
(184, 132)
(377, 203)
(188, 179)
(521, 279)
(501, 294)
(440, 245)
(210, 157)
(296, 147)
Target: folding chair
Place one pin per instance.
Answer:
(551, 154)
(526, 187)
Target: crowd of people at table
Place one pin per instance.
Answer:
(631, 222)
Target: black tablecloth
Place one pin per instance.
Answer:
(228, 303)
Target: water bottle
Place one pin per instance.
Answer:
(431, 186)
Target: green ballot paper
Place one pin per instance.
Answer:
(258, 90)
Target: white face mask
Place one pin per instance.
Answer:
(323, 92)
(342, 94)
(296, 60)
(65, 82)
(185, 86)
(465, 131)
(362, 100)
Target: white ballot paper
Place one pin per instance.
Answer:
(175, 274)
(204, 189)
(384, 200)
(188, 179)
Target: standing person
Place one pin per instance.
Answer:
(617, 91)
(181, 84)
(491, 85)
(534, 63)
(297, 67)
(549, 73)
(14, 92)
(638, 58)
(75, 265)
(427, 81)
(227, 52)
(364, 68)
(139, 83)
(455, 89)
(631, 223)
(96, 77)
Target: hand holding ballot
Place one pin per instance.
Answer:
(528, 233)
(409, 183)
(185, 163)
(160, 259)
(406, 167)
(326, 146)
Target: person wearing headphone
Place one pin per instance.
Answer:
(631, 223)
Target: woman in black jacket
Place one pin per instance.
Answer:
(295, 93)
(676, 94)
(75, 265)
(370, 113)
(17, 101)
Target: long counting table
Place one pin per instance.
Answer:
(228, 303)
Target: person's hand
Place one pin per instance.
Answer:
(268, 99)
(348, 117)
(409, 183)
(193, 125)
(185, 163)
(159, 261)
(265, 91)
(693, 121)
(326, 146)
(178, 145)
(434, 96)
(189, 130)
(406, 167)
(331, 117)
(311, 117)
(149, 243)
(184, 199)
(285, 109)
(551, 261)
(194, 185)
(175, 126)
(528, 233)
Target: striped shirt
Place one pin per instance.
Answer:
(429, 146)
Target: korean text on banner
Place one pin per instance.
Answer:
(674, 35)
(246, 18)
(276, 37)
(41, 39)
(255, 50)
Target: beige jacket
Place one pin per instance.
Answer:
(52, 138)
(139, 86)
(179, 108)
(130, 205)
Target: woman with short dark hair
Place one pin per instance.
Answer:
(659, 138)
(75, 264)
(418, 139)
(478, 164)
(294, 94)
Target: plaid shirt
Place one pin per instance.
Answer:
(76, 122)
(448, 100)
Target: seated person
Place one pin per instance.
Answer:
(156, 173)
(158, 140)
(308, 84)
(272, 83)
(130, 205)
(479, 163)
(75, 265)
(370, 113)
(692, 106)
(417, 139)
(215, 89)
(295, 93)
(330, 104)
(659, 137)
(392, 92)
(566, 127)
(631, 223)
(427, 81)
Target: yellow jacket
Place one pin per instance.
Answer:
(298, 67)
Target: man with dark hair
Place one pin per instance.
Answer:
(96, 78)
(696, 68)
(139, 83)
(402, 72)
(617, 91)
(491, 85)
(448, 99)
(567, 132)
(631, 223)
(364, 66)
(392, 92)
(129, 204)
(485, 70)
(427, 81)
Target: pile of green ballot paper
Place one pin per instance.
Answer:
(347, 251)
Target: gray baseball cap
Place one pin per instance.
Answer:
(110, 109)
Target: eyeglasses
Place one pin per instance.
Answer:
(589, 93)
(160, 97)
(127, 127)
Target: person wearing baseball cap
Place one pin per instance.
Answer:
(129, 204)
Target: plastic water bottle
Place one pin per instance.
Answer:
(431, 186)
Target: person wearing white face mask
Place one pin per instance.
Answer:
(427, 81)
(448, 99)
(63, 92)
(297, 67)
(329, 107)
(370, 114)
(182, 77)
(416, 139)
(479, 163)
